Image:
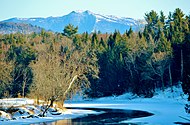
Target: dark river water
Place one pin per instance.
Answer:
(107, 116)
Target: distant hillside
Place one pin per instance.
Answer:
(11, 27)
(85, 20)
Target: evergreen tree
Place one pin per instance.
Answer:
(70, 30)
(162, 17)
(177, 37)
(77, 42)
(95, 42)
(186, 51)
(152, 19)
(85, 37)
(21, 56)
(129, 32)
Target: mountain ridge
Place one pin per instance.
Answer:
(11, 27)
(87, 21)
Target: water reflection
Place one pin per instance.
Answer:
(109, 116)
(59, 122)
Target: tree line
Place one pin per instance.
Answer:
(53, 66)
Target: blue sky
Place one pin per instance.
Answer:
(125, 8)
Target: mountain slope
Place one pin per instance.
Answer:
(9, 27)
(86, 21)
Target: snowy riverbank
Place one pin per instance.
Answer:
(167, 108)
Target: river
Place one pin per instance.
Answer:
(106, 116)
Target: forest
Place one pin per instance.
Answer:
(54, 66)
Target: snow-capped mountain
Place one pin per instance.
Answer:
(85, 20)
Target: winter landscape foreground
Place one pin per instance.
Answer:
(168, 108)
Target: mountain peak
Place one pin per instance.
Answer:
(82, 12)
(89, 12)
(87, 21)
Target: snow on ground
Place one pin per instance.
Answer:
(167, 108)
(22, 111)
(15, 101)
(68, 114)
(4, 116)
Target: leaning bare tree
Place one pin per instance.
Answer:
(57, 72)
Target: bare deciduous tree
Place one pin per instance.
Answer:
(57, 73)
(6, 68)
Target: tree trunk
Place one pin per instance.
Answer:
(37, 100)
(162, 79)
(48, 106)
(170, 75)
(181, 64)
(23, 88)
(64, 95)
(25, 80)
(51, 102)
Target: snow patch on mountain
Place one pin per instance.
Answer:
(86, 21)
